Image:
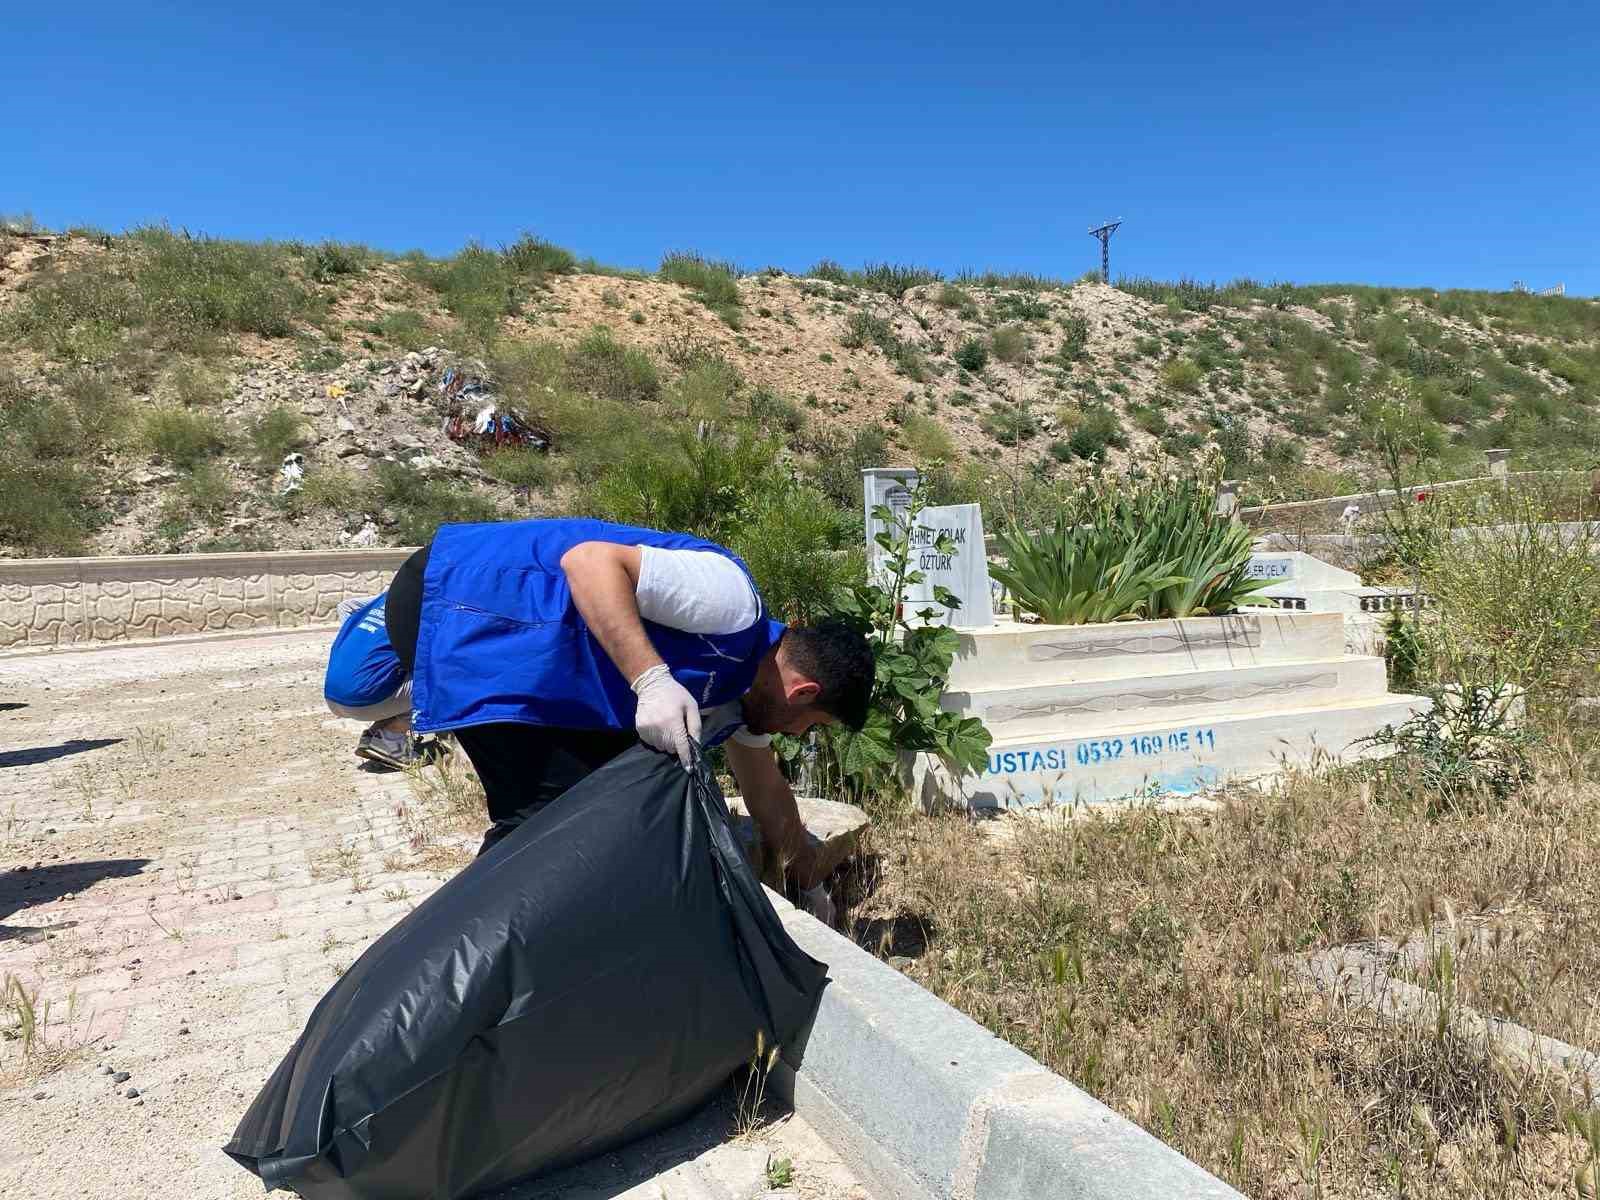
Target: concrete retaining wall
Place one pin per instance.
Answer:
(926, 1104)
(1328, 511)
(71, 601)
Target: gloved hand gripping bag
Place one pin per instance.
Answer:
(594, 977)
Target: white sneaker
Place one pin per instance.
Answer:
(398, 750)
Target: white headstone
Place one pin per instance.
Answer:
(964, 571)
(890, 487)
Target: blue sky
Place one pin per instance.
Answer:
(1422, 143)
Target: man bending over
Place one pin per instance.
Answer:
(548, 647)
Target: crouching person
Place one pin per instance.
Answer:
(365, 681)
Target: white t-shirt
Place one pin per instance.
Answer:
(700, 591)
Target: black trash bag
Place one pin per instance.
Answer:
(594, 977)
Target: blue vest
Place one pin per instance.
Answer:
(500, 638)
(362, 666)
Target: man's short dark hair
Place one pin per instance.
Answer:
(837, 656)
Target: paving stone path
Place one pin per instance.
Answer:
(192, 854)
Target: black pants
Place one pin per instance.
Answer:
(522, 767)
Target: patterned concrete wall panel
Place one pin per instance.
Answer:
(68, 600)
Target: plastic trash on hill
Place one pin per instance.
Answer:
(595, 976)
(490, 425)
(292, 473)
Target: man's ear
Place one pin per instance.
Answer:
(805, 691)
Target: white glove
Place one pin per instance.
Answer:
(819, 904)
(667, 716)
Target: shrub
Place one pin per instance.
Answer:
(207, 490)
(1520, 593)
(896, 279)
(194, 386)
(1302, 376)
(1011, 306)
(604, 367)
(326, 261)
(1390, 343)
(191, 286)
(530, 255)
(1182, 375)
(1462, 752)
(181, 437)
(841, 458)
(276, 432)
(182, 290)
(908, 361)
(770, 411)
(320, 357)
(1010, 344)
(800, 548)
(706, 390)
(959, 299)
(892, 279)
(405, 328)
(99, 409)
(972, 355)
(1009, 424)
(477, 285)
(1076, 342)
(698, 485)
(421, 505)
(46, 507)
(338, 489)
(864, 328)
(1150, 419)
(1099, 430)
(714, 284)
(927, 439)
(520, 466)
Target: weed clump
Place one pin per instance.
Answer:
(1009, 343)
(972, 355)
(275, 433)
(536, 258)
(182, 437)
(604, 367)
(421, 505)
(714, 284)
(1182, 375)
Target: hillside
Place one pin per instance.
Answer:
(151, 384)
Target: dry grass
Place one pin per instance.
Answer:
(31, 1046)
(445, 814)
(1148, 956)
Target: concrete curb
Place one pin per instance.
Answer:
(925, 1104)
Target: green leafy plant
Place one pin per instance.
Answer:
(1073, 574)
(972, 355)
(1075, 327)
(1140, 545)
(913, 663)
(1464, 749)
(1402, 651)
